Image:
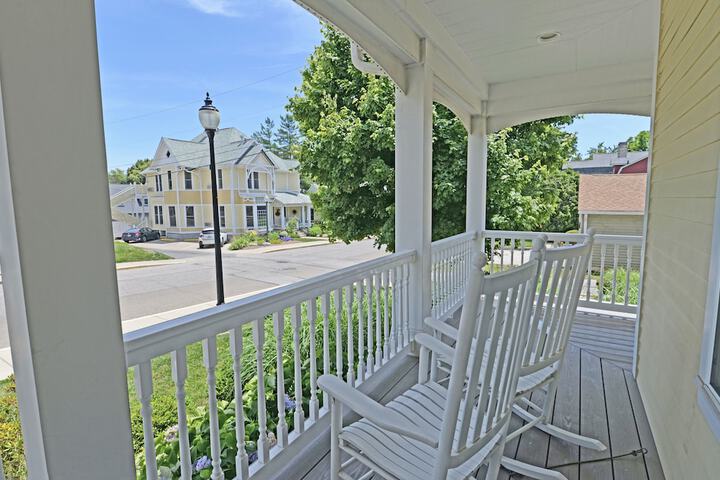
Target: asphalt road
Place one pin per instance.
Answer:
(156, 289)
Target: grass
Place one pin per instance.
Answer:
(125, 252)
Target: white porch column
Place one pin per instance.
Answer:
(62, 306)
(476, 175)
(413, 184)
(282, 217)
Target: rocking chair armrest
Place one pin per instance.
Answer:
(442, 327)
(375, 412)
(445, 351)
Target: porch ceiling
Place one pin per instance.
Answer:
(487, 58)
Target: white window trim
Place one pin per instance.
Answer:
(708, 399)
(195, 216)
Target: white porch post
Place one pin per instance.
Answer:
(282, 217)
(62, 307)
(476, 194)
(413, 184)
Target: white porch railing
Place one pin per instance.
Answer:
(349, 322)
(613, 277)
(450, 267)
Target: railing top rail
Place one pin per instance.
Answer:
(461, 237)
(147, 343)
(565, 237)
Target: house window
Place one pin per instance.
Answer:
(190, 216)
(219, 179)
(253, 182)
(145, 202)
(222, 217)
(188, 180)
(173, 218)
(159, 215)
(169, 180)
(262, 216)
(249, 217)
(158, 183)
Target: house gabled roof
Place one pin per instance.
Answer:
(612, 193)
(607, 160)
(231, 147)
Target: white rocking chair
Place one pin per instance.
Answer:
(560, 279)
(433, 431)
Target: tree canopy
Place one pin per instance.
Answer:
(132, 175)
(346, 119)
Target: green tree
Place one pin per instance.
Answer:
(116, 175)
(134, 173)
(640, 142)
(265, 136)
(346, 119)
(287, 137)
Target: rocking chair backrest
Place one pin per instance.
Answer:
(560, 280)
(492, 334)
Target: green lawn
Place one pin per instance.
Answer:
(127, 253)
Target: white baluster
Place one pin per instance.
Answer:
(385, 280)
(279, 331)
(628, 266)
(361, 334)
(601, 287)
(370, 333)
(178, 361)
(241, 458)
(350, 341)
(616, 256)
(312, 316)
(296, 318)
(338, 333)
(589, 274)
(378, 322)
(263, 446)
(325, 304)
(210, 361)
(397, 309)
(144, 389)
(406, 305)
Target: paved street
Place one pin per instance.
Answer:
(151, 290)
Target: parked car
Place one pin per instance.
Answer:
(207, 238)
(143, 234)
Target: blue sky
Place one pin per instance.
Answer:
(158, 57)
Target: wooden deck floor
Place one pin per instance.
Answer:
(597, 397)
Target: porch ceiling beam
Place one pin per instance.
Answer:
(379, 31)
(618, 89)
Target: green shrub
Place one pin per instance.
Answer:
(11, 441)
(633, 287)
(260, 240)
(241, 241)
(292, 228)
(315, 231)
(274, 238)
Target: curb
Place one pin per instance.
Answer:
(149, 263)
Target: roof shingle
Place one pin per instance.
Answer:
(612, 193)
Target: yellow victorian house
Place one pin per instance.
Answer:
(251, 180)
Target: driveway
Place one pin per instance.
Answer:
(156, 289)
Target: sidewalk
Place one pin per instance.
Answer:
(148, 263)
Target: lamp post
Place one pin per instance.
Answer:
(209, 117)
(268, 205)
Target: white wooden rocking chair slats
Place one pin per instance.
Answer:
(438, 431)
(559, 283)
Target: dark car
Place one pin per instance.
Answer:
(143, 234)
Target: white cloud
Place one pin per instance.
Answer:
(227, 8)
(243, 8)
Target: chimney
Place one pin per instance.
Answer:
(622, 150)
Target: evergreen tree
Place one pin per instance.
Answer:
(287, 137)
(265, 136)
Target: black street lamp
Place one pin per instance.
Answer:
(209, 117)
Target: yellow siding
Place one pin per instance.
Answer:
(616, 224)
(686, 150)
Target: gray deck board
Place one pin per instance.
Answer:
(597, 396)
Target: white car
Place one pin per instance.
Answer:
(207, 238)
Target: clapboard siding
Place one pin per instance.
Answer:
(683, 177)
(616, 224)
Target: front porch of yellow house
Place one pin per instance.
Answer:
(495, 64)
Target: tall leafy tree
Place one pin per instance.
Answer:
(287, 137)
(640, 142)
(117, 175)
(266, 135)
(346, 119)
(134, 173)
